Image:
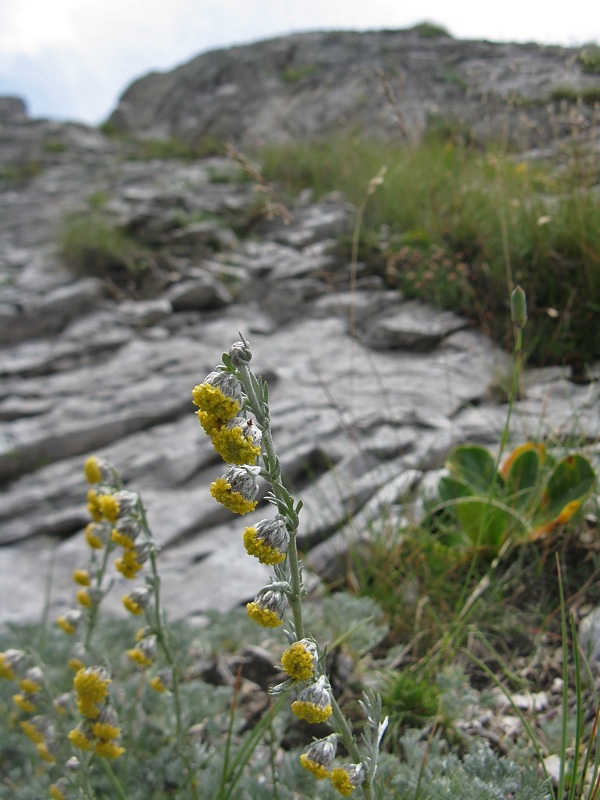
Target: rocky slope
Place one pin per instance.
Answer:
(369, 392)
(389, 83)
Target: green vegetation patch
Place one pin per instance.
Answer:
(90, 244)
(458, 227)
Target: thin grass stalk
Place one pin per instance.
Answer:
(523, 719)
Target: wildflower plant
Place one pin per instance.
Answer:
(233, 408)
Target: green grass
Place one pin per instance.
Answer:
(458, 227)
(89, 244)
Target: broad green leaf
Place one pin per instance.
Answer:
(475, 466)
(570, 483)
(484, 524)
(521, 476)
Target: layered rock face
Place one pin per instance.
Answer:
(369, 392)
(393, 84)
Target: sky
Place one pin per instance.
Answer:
(72, 59)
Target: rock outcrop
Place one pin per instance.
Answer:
(391, 84)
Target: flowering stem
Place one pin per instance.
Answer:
(342, 728)
(285, 502)
(162, 639)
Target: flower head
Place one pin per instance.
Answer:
(82, 577)
(31, 682)
(163, 681)
(319, 757)
(11, 661)
(137, 601)
(107, 725)
(300, 660)
(108, 749)
(97, 470)
(132, 560)
(57, 790)
(236, 490)
(220, 396)
(91, 690)
(346, 778)
(117, 505)
(314, 702)
(268, 608)
(82, 736)
(144, 652)
(96, 534)
(23, 702)
(69, 621)
(126, 531)
(268, 540)
(238, 441)
(35, 729)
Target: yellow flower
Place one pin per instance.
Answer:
(45, 753)
(6, 671)
(105, 730)
(84, 597)
(29, 686)
(75, 664)
(10, 660)
(314, 702)
(92, 471)
(264, 617)
(128, 564)
(310, 711)
(21, 701)
(300, 659)
(95, 534)
(32, 730)
(346, 778)
(69, 621)
(268, 540)
(137, 601)
(93, 504)
(236, 490)
(81, 737)
(319, 757)
(157, 684)
(267, 608)
(91, 688)
(109, 507)
(219, 396)
(237, 442)
(108, 749)
(56, 792)
(137, 655)
(210, 424)
(82, 577)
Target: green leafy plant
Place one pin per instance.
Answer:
(528, 497)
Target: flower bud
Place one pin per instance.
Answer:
(518, 307)
(239, 353)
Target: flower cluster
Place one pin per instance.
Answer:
(99, 730)
(234, 436)
(223, 400)
(319, 761)
(39, 729)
